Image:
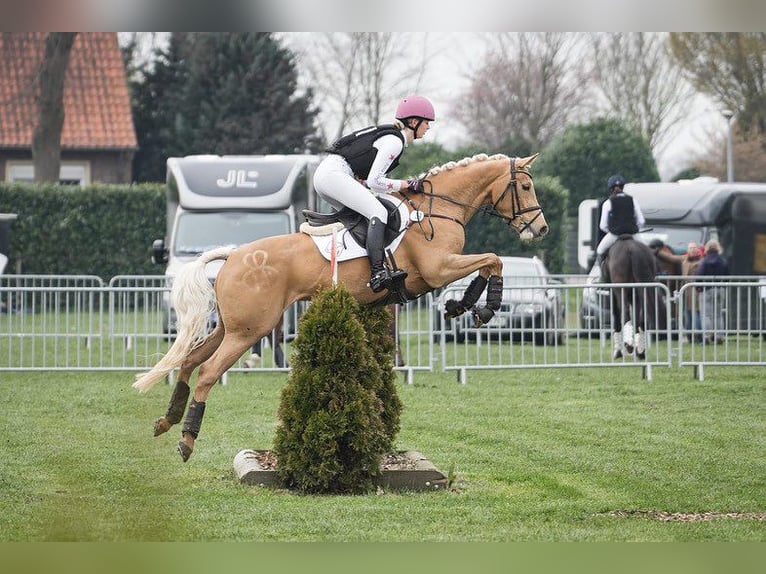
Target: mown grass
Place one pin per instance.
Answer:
(538, 455)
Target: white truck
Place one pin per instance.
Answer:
(214, 201)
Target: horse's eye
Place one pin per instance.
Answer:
(526, 186)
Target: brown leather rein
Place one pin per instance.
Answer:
(484, 209)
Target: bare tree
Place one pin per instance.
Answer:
(46, 140)
(527, 90)
(729, 67)
(356, 74)
(640, 83)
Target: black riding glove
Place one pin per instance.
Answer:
(415, 185)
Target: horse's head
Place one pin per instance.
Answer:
(514, 198)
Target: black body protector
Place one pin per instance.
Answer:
(622, 218)
(356, 148)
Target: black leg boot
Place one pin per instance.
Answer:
(380, 277)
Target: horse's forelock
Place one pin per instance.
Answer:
(462, 163)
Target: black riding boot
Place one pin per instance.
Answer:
(380, 277)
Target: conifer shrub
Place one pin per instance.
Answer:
(332, 432)
(376, 322)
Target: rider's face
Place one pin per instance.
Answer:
(425, 125)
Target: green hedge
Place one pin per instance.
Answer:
(107, 230)
(102, 230)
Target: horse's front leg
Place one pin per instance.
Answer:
(490, 277)
(617, 340)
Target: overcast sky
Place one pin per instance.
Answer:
(455, 54)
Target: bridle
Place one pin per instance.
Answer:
(516, 208)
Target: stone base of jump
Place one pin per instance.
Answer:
(412, 471)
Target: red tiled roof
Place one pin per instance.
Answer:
(96, 100)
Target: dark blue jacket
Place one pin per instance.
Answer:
(713, 264)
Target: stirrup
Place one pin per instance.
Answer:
(380, 280)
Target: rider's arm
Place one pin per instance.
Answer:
(605, 209)
(389, 148)
(640, 219)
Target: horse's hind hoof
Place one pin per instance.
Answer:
(641, 356)
(184, 450)
(161, 426)
(617, 355)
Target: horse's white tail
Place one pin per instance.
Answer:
(193, 299)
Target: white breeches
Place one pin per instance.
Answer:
(606, 242)
(334, 181)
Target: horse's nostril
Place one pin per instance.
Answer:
(543, 231)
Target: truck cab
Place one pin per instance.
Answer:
(215, 201)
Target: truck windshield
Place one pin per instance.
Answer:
(199, 232)
(676, 237)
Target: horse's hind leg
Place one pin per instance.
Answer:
(231, 348)
(180, 395)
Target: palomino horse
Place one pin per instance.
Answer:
(630, 261)
(260, 280)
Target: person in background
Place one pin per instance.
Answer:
(620, 215)
(712, 297)
(686, 265)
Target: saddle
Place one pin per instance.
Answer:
(355, 223)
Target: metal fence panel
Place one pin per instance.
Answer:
(78, 323)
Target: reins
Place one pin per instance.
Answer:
(516, 209)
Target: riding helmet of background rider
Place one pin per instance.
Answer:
(615, 181)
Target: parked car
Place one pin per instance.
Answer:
(530, 310)
(595, 313)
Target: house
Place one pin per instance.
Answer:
(98, 139)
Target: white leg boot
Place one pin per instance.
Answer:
(617, 345)
(640, 340)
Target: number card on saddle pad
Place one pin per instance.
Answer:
(351, 230)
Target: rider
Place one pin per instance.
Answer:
(357, 169)
(620, 215)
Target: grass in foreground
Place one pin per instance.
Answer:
(539, 455)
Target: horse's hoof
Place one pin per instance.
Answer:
(184, 450)
(641, 356)
(161, 425)
(629, 349)
(617, 355)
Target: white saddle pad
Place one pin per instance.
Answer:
(346, 247)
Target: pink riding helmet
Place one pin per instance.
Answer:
(415, 107)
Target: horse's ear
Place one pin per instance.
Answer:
(525, 162)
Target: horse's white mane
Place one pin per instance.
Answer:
(463, 162)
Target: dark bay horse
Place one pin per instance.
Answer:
(260, 280)
(630, 261)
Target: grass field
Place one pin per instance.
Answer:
(539, 455)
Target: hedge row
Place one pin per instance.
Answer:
(102, 230)
(107, 230)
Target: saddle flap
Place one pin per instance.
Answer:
(356, 223)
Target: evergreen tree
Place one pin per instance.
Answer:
(332, 435)
(585, 155)
(221, 93)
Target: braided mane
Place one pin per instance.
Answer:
(462, 163)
